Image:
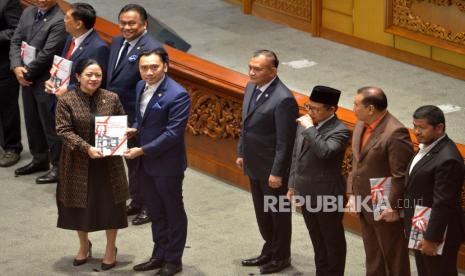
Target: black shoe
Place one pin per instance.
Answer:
(275, 266)
(260, 260)
(131, 210)
(50, 177)
(153, 263)
(105, 266)
(169, 269)
(9, 158)
(141, 218)
(77, 262)
(32, 168)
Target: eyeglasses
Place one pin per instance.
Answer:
(310, 108)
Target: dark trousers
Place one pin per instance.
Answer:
(10, 128)
(134, 187)
(446, 263)
(385, 248)
(329, 242)
(275, 226)
(163, 201)
(39, 116)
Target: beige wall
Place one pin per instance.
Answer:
(365, 19)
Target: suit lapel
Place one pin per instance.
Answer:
(263, 98)
(82, 47)
(357, 139)
(299, 141)
(248, 94)
(113, 56)
(155, 98)
(134, 51)
(323, 130)
(37, 26)
(374, 137)
(427, 158)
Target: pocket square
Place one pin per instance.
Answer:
(156, 105)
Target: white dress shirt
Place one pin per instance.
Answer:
(132, 44)
(423, 152)
(78, 40)
(149, 90)
(263, 88)
(320, 124)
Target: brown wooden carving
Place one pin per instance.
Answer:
(347, 162)
(213, 114)
(403, 17)
(400, 16)
(460, 4)
(294, 13)
(297, 8)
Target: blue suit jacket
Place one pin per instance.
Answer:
(161, 129)
(92, 47)
(123, 79)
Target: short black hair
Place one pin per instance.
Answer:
(432, 114)
(85, 13)
(160, 52)
(373, 96)
(268, 54)
(137, 8)
(82, 64)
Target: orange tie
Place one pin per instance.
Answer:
(71, 48)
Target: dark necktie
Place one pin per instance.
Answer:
(253, 99)
(124, 53)
(39, 16)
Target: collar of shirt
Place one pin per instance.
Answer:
(147, 95)
(425, 150)
(155, 86)
(134, 42)
(78, 40)
(265, 86)
(373, 125)
(320, 124)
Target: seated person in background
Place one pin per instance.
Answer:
(92, 189)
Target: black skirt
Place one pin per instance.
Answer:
(101, 212)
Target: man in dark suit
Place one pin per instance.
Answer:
(41, 27)
(381, 147)
(162, 111)
(434, 179)
(122, 77)
(316, 172)
(83, 42)
(10, 129)
(264, 153)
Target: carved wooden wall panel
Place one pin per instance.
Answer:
(401, 15)
(294, 13)
(214, 115)
(297, 8)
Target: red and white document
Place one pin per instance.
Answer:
(60, 72)
(419, 226)
(380, 189)
(28, 53)
(110, 134)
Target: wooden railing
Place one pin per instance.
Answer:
(214, 124)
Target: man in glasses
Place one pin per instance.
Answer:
(316, 175)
